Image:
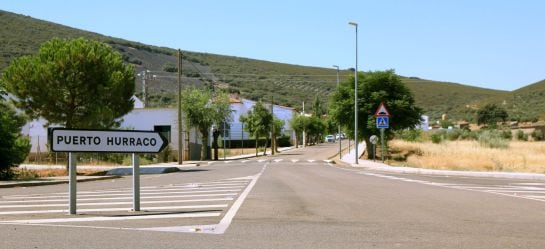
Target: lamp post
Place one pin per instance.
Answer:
(180, 125)
(339, 130)
(356, 95)
(146, 76)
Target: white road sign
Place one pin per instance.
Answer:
(122, 141)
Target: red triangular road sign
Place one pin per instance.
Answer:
(381, 110)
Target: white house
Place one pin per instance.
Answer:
(165, 120)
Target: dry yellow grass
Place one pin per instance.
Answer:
(469, 155)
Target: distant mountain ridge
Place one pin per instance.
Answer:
(289, 85)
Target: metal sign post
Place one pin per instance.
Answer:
(135, 182)
(382, 116)
(382, 144)
(374, 140)
(115, 141)
(72, 182)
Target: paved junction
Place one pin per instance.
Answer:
(296, 199)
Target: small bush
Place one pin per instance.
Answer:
(410, 135)
(507, 134)
(521, 136)
(454, 134)
(436, 138)
(493, 139)
(468, 135)
(537, 135)
(169, 67)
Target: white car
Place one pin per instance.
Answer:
(330, 139)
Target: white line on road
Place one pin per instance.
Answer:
(117, 203)
(114, 209)
(120, 198)
(129, 194)
(156, 191)
(91, 219)
(221, 227)
(462, 187)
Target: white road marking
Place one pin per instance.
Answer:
(530, 183)
(278, 160)
(105, 193)
(117, 203)
(261, 160)
(245, 161)
(91, 219)
(113, 209)
(221, 227)
(294, 160)
(508, 191)
(230, 187)
(129, 194)
(121, 198)
(311, 160)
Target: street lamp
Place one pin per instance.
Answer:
(339, 131)
(356, 95)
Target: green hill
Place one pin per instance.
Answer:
(290, 85)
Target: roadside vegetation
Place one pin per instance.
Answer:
(499, 149)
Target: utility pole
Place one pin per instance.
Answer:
(144, 88)
(304, 133)
(180, 125)
(339, 128)
(273, 135)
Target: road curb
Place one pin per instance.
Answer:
(408, 170)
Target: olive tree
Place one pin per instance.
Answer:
(203, 110)
(258, 122)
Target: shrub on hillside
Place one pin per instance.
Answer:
(537, 135)
(493, 139)
(454, 134)
(468, 135)
(436, 138)
(411, 135)
(506, 133)
(521, 136)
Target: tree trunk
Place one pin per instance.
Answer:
(369, 148)
(215, 136)
(256, 144)
(204, 148)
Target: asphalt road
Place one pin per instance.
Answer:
(291, 200)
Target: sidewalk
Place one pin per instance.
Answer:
(378, 166)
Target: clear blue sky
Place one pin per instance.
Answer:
(488, 43)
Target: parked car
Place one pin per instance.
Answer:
(330, 139)
(340, 136)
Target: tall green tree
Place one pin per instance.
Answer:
(14, 148)
(258, 122)
(490, 114)
(77, 83)
(203, 110)
(297, 124)
(373, 88)
(317, 107)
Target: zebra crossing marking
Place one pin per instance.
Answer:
(218, 198)
(523, 192)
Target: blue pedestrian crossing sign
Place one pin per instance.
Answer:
(383, 122)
